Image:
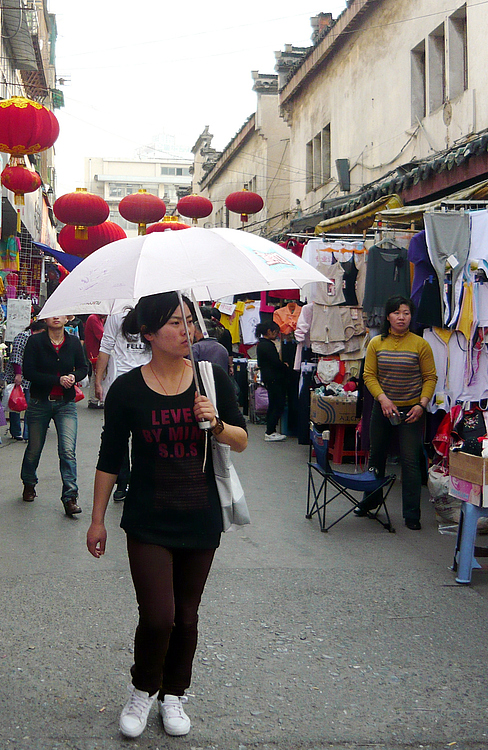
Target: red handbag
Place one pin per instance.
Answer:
(17, 400)
(79, 394)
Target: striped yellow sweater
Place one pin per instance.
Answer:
(400, 366)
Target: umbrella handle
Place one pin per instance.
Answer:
(205, 425)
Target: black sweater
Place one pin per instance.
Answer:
(269, 362)
(171, 501)
(43, 365)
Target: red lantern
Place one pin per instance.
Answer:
(244, 202)
(81, 209)
(195, 207)
(98, 236)
(168, 222)
(142, 208)
(26, 127)
(20, 180)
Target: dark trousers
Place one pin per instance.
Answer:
(169, 584)
(276, 403)
(381, 434)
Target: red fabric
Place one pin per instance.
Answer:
(442, 438)
(93, 335)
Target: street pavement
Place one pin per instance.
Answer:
(352, 639)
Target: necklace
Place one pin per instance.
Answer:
(56, 343)
(162, 386)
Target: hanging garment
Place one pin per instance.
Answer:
(248, 322)
(231, 322)
(387, 274)
(327, 325)
(287, 317)
(478, 241)
(418, 254)
(330, 292)
(302, 333)
(429, 313)
(350, 276)
(447, 236)
(450, 350)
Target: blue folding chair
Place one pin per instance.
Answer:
(321, 474)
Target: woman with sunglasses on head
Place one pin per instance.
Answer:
(399, 372)
(172, 514)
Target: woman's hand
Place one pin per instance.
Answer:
(387, 406)
(414, 414)
(67, 380)
(204, 410)
(96, 539)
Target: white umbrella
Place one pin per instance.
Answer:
(212, 263)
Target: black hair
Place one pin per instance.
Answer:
(392, 304)
(209, 312)
(263, 328)
(151, 313)
(36, 325)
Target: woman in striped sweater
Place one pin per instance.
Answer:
(400, 374)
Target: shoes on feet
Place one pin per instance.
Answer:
(412, 524)
(133, 718)
(360, 511)
(274, 437)
(19, 438)
(95, 405)
(29, 493)
(71, 507)
(175, 721)
(119, 495)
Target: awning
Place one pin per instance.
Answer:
(408, 214)
(17, 33)
(360, 219)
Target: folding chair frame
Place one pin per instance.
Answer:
(328, 476)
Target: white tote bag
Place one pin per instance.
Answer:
(232, 501)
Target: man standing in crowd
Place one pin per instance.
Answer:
(118, 354)
(209, 349)
(93, 338)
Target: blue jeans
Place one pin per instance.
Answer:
(410, 439)
(38, 415)
(14, 420)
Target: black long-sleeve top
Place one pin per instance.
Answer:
(43, 365)
(269, 362)
(172, 501)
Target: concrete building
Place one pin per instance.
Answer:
(256, 158)
(390, 99)
(27, 68)
(166, 176)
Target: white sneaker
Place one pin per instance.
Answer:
(274, 437)
(133, 718)
(175, 720)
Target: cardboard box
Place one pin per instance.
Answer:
(467, 477)
(330, 410)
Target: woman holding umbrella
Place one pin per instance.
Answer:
(171, 514)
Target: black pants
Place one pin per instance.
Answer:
(276, 403)
(410, 439)
(169, 584)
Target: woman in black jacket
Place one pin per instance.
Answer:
(273, 375)
(53, 362)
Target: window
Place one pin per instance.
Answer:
(457, 53)
(437, 68)
(318, 159)
(418, 98)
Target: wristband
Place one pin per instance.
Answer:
(424, 408)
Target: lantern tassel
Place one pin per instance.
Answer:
(19, 222)
(19, 199)
(81, 233)
(141, 227)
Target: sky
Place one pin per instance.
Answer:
(135, 72)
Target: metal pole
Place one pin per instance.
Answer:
(203, 425)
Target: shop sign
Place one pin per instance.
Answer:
(18, 317)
